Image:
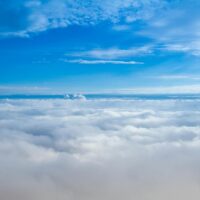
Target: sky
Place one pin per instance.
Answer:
(57, 46)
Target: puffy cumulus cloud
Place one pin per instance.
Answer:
(20, 18)
(99, 149)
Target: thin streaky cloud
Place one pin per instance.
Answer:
(93, 62)
(183, 89)
(114, 53)
(177, 28)
(121, 27)
(177, 77)
(192, 48)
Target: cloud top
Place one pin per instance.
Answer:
(99, 149)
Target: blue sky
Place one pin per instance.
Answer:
(99, 46)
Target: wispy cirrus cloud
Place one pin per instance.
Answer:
(109, 56)
(175, 89)
(192, 48)
(179, 77)
(33, 16)
(167, 25)
(177, 28)
(113, 53)
(93, 62)
(121, 27)
(13, 89)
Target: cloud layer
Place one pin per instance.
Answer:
(99, 149)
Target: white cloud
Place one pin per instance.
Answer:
(99, 149)
(192, 48)
(174, 89)
(93, 62)
(114, 53)
(177, 28)
(38, 15)
(174, 25)
(121, 27)
(12, 89)
(179, 77)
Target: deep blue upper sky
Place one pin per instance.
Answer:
(94, 46)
